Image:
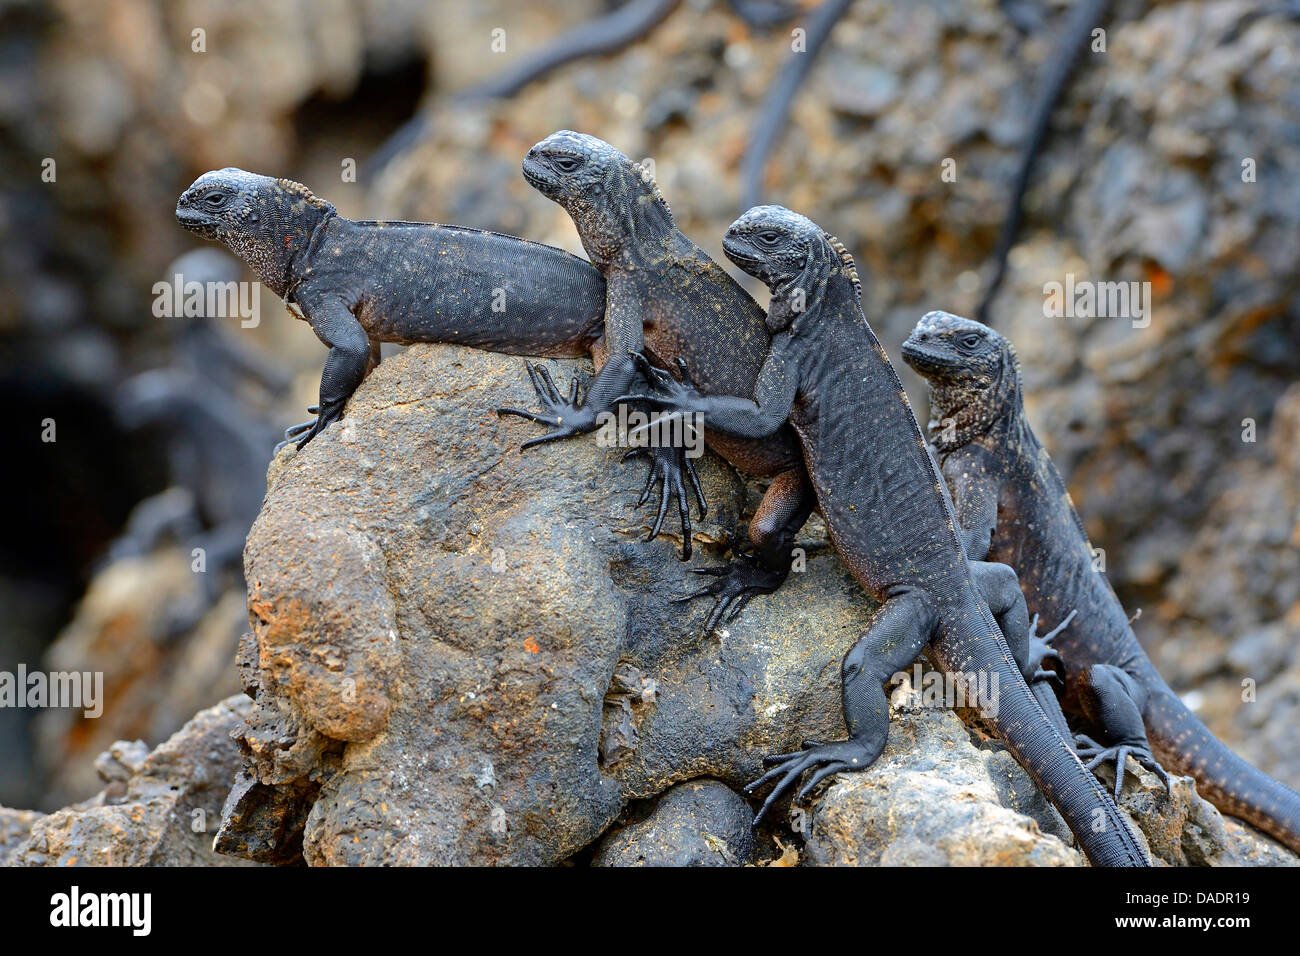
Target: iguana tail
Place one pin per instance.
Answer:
(1184, 745)
(976, 646)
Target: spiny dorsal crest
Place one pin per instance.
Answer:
(655, 193)
(302, 192)
(846, 258)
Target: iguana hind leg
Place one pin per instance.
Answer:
(1000, 587)
(1113, 701)
(786, 505)
(899, 630)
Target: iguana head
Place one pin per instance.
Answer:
(792, 255)
(610, 198)
(264, 221)
(972, 371)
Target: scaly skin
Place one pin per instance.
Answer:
(667, 296)
(889, 517)
(1014, 507)
(362, 283)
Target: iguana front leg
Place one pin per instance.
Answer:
(898, 631)
(1113, 700)
(576, 415)
(345, 367)
(972, 478)
(670, 470)
(1000, 588)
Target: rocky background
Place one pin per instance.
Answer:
(521, 689)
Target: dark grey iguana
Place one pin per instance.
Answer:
(667, 296)
(890, 519)
(1014, 507)
(361, 283)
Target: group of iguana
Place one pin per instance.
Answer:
(959, 545)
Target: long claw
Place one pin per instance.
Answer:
(1153, 765)
(635, 397)
(1050, 676)
(649, 484)
(525, 413)
(684, 509)
(695, 486)
(777, 768)
(773, 760)
(821, 774)
(715, 616)
(552, 392)
(796, 768)
(294, 430)
(532, 377)
(713, 570)
(685, 374)
(1047, 638)
(663, 511)
(543, 439)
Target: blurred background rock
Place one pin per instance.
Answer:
(1141, 179)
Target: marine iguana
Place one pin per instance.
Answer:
(890, 519)
(1014, 507)
(666, 295)
(361, 283)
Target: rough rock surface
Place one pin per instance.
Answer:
(153, 681)
(157, 809)
(943, 794)
(697, 823)
(465, 654)
(1142, 179)
(472, 654)
(15, 828)
(934, 798)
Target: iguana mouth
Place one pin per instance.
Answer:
(539, 177)
(927, 360)
(739, 253)
(195, 221)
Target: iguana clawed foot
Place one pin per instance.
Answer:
(565, 416)
(735, 584)
(312, 428)
(675, 398)
(1096, 754)
(667, 465)
(670, 468)
(1041, 651)
(825, 759)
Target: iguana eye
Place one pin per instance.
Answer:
(565, 164)
(769, 238)
(970, 341)
(215, 199)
